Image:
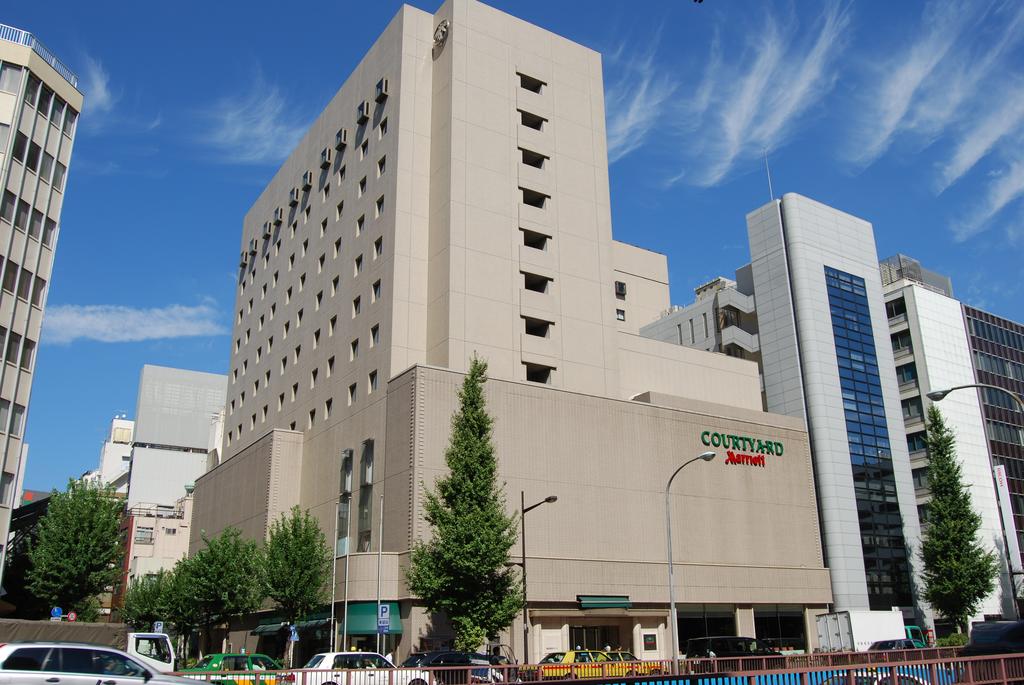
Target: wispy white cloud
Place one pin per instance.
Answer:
(1005, 188)
(114, 323)
(753, 102)
(257, 126)
(99, 99)
(979, 139)
(636, 100)
(887, 108)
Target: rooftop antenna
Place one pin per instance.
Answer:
(768, 171)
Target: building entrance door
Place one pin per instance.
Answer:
(593, 637)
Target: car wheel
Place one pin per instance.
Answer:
(655, 671)
(631, 672)
(417, 681)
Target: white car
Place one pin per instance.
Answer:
(32, 663)
(359, 668)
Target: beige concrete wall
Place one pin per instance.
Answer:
(742, 533)
(655, 366)
(645, 274)
(250, 490)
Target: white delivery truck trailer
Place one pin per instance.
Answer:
(152, 649)
(854, 631)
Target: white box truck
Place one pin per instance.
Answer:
(854, 631)
(152, 649)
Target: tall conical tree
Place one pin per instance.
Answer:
(958, 571)
(463, 570)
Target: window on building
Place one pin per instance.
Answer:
(353, 391)
(361, 187)
(906, 373)
(69, 121)
(912, 408)
(330, 367)
(534, 198)
(532, 239)
(356, 307)
(371, 381)
(535, 282)
(704, 318)
(7, 205)
(374, 335)
(375, 291)
(917, 442)
(381, 166)
(531, 158)
(530, 83)
(5, 135)
(10, 78)
(920, 477)
(620, 314)
(17, 420)
(353, 350)
(20, 147)
(531, 120)
(382, 128)
(538, 373)
(536, 327)
(901, 342)
(896, 308)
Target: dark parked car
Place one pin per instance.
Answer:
(995, 637)
(727, 646)
(458, 661)
(887, 645)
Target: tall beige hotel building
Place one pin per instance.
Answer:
(39, 106)
(452, 200)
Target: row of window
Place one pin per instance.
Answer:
(37, 160)
(996, 334)
(24, 218)
(21, 281)
(867, 436)
(40, 96)
(22, 359)
(999, 366)
(12, 418)
(1004, 432)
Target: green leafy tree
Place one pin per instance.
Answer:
(222, 580)
(147, 600)
(958, 571)
(75, 556)
(463, 570)
(297, 566)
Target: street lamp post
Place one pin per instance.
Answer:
(523, 509)
(938, 396)
(673, 617)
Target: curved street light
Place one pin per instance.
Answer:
(673, 616)
(938, 396)
(523, 509)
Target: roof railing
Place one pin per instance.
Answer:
(15, 35)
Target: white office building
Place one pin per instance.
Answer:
(809, 308)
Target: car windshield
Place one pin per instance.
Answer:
(260, 661)
(414, 659)
(553, 658)
(204, 662)
(985, 634)
(315, 661)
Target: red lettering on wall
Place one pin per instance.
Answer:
(747, 459)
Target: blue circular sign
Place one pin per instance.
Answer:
(56, 612)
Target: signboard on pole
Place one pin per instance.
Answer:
(72, 616)
(1008, 528)
(56, 612)
(293, 633)
(383, 619)
(158, 626)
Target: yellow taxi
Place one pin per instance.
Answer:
(632, 665)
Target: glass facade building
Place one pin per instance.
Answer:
(881, 526)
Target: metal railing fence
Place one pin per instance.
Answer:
(21, 37)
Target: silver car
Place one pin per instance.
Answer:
(32, 663)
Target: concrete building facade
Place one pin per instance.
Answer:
(452, 201)
(932, 352)
(173, 417)
(39, 106)
(809, 307)
(115, 456)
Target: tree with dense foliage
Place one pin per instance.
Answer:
(76, 554)
(147, 600)
(297, 567)
(958, 571)
(463, 570)
(222, 580)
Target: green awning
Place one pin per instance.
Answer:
(604, 601)
(362, 618)
(314, 623)
(267, 628)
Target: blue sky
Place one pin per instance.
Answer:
(910, 115)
